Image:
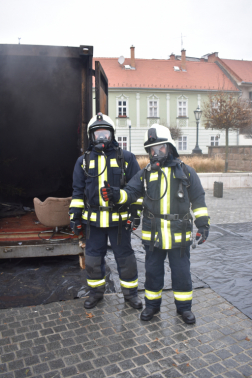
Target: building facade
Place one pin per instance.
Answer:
(143, 92)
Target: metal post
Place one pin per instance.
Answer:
(130, 137)
(196, 149)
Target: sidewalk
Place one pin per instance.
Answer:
(62, 339)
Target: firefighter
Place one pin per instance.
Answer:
(105, 160)
(169, 187)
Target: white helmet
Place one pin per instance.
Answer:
(100, 121)
(158, 134)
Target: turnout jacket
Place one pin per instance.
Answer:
(168, 232)
(86, 190)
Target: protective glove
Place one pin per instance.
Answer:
(76, 226)
(107, 192)
(132, 223)
(202, 234)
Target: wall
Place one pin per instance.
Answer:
(168, 104)
(239, 157)
(230, 180)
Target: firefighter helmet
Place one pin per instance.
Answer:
(158, 134)
(100, 121)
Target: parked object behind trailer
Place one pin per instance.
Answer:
(45, 106)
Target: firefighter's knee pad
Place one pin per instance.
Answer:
(94, 267)
(127, 266)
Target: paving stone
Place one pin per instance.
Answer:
(69, 371)
(126, 364)
(111, 369)
(139, 372)
(97, 373)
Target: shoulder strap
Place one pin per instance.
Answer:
(185, 170)
(121, 164)
(86, 160)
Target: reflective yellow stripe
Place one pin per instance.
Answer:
(165, 209)
(178, 237)
(146, 235)
(200, 212)
(113, 163)
(139, 213)
(187, 296)
(115, 216)
(129, 284)
(104, 215)
(123, 196)
(151, 295)
(91, 164)
(77, 203)
(93, 216)
(138, 202)
(126, 164)
(154, 176)
(96, 283)
(71, 216)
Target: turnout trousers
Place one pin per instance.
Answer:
(180, 277)
(96, 249)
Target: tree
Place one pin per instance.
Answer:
(175, 130)
(226, 111)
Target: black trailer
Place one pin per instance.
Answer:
(45, 105)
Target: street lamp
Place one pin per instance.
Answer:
(197, 114)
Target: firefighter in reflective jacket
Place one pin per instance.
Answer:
(105, 161)
(168, 187)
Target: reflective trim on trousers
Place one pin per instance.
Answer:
(129, 285)
(187, 296)
(96, 283)
(152, 295)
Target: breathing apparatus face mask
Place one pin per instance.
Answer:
(102, 138)
(158, 155)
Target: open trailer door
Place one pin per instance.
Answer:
(101, 89)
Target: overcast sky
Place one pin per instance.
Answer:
(112, 26)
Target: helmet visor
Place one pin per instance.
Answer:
(159, 150)
(102, 134)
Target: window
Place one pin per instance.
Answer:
(182, 109)
(214, 141)
(250, 99)
(215, 104)
(153, 108)
(123, 142)
(182, 143)
(122, 108)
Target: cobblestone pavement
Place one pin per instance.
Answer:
(63, 340)
(234, 207)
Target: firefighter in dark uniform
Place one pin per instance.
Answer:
(169, 187)
(105, 161)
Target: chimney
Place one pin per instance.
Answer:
(183, 59)
(172, 56)
(132, 56)
(213, 57)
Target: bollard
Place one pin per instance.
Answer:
(218, 189)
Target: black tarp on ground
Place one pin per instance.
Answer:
(41, 280)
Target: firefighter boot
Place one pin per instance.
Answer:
(134, 302)
(187, 316)
(149, 312)
(91, 302)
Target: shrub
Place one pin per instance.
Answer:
(199, 163)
